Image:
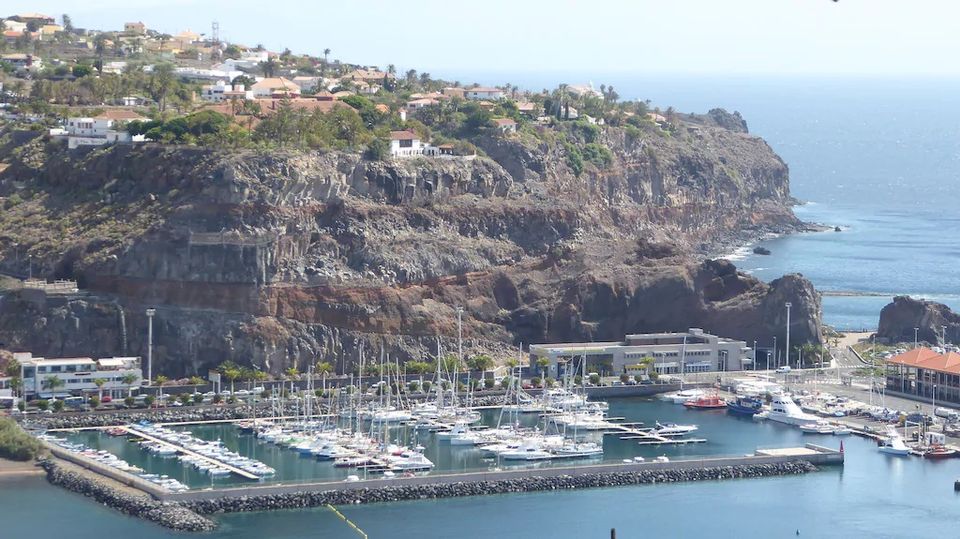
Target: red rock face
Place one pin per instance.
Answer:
(286, 259)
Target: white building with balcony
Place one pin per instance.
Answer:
(106, 128)
(221, 91)
(77, 375)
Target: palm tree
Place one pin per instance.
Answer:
(99, 383)
(231, 374)
(543, 363)
(159, 381)
(324, 368)
(128, 380)
(326, 55)
(292, 374)
(52, 382)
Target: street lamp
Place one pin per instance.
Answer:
(754, 354)
(916, 335)
(776, 358)
(788, 333)
(150, 312)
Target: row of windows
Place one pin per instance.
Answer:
(689, 353)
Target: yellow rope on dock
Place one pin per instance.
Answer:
(347, 520)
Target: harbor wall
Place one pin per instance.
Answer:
(117, 475)
(822, 457)
(392, 490)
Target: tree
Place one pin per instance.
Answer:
(543, 363)
(323, 368)
(269, 67)
(196, 381)
(292, 374)
(58, 405)
(480, 362)
(81, 70)
(160, 380)
(43, 404)
(378, 150)
(128, 380)
(243, 80)
(52, 382)
(94, 402)
(162, 82)
(231, 374)
(99, 383)
(67, 23)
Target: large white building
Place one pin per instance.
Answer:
(106, 128)
(221, 91)
(77, 375)
(672, 353)
(478, 94)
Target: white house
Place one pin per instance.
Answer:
(207, 74)
(405, 144)
(415, 104)
(104, 129)
(76, 375)
(481, 93)
(221, 91)
(307, 84)
(23, 62)
(505, 125)
(274, 86)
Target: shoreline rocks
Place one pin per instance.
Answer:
(169, 515)
(393, 493)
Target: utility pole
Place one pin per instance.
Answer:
(460, 346)
(150, 312)
(788, 334)
(776, 358)
(916, 334)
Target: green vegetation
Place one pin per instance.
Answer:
(15, 444)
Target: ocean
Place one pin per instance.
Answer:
(879, 157)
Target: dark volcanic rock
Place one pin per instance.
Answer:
(758, 250)
(897, 320)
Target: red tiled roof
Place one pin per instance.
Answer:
(501, 122)
(120, 114)
(926, 358)
(403, 135)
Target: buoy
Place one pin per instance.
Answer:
(841, 452)
(956, 485)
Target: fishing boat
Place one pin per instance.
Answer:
(893, 444)
(842, 431)
(940, 452)
(784, 410)
(745, 405)
(712, 402)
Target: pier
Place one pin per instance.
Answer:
(185, 451)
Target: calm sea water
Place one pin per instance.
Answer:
(873, 495)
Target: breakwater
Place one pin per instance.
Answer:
(172, 515)
(392, 493)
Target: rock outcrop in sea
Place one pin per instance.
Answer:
(281, 259)
(899, 318)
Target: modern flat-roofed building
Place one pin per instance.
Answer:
(672, 353)
(77, 375)
(925, 373)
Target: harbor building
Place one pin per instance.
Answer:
(78, 375)
(671, 353)
(925, 373)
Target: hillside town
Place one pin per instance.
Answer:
(91, 87)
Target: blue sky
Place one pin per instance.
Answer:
(856, 37)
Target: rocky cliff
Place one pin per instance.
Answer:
(280, 258)
(899, 318)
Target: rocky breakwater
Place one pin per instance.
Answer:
(392, 493)
(899, 318)
(168, 514)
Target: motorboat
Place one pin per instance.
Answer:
(579, 450)
(527, 451)
(893, 443)
(820, 427)
(683, 396)
(842, 431)
(662, 458)
(673, 429)
(712, 402)
(784, 410)
(940, 452)
(745, 405)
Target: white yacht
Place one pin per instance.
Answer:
(893, 444)
(672, 429)
(527, 451)
(820, 427)
(784, 410)
(683, 396)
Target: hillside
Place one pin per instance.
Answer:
(280, 258)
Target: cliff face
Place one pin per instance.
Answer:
(287, 258)
(899, 318)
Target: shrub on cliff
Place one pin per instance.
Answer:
(15, 444)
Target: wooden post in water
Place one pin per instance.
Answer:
(613, 533)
